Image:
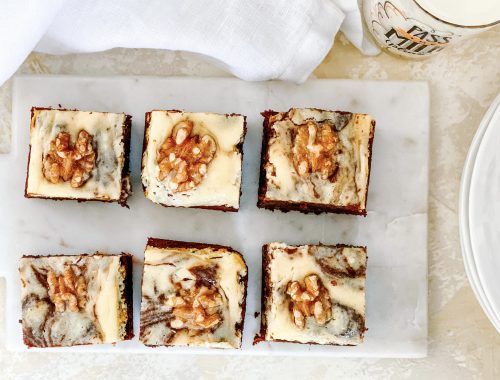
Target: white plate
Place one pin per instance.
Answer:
(395, 229)
(464, 220)
(484, 215)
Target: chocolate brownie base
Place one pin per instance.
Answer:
(266, 291)
(126, 188)
(303, 207)
(200, 278)
(32, 339)
(239, 149)
(165, 243)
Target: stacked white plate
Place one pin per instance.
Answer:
(479, 214)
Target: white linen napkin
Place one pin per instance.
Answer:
(253, 39)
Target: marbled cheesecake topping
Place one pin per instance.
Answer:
(314, 293)
(192, 296)
(318, 156)
(73, 300)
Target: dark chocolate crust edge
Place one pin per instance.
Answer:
(264, 157)
(266, 298)
(32, 120)
(125, 261)
(370, 154)
(125, 192)
(74, 255)
(165, 243)
(126, 182)
(239, 147)
(241, 326)
(145, 139)
(308, 208)
(303, 207)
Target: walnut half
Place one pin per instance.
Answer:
(195, 309)
(65, 162)
(313, 149)
(183, 158)
(67, 289)
(310, 300)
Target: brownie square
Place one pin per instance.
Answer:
(76, 300)
(78, 155)
(316, 161)
(192, 295)
(313, 294)
(193, 159)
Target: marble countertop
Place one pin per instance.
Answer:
(462, 343)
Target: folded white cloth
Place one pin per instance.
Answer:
(253, 39)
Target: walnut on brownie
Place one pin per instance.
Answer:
(313, 294)
(78, 155)
(193, 159)
(77, 299)
(192, 295)
(316, 161)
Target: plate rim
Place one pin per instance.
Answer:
(464, 217)
(481, 153)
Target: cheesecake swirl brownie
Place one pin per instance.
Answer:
(316, 161)
(192, 295)
(78, 155)
(313, 294)
(193, 159)
(76, 300)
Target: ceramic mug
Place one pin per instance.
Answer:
(421, 28)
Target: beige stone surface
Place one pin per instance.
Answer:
(462, 344)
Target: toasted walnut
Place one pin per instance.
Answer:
(67, 289)
(64, 162)
(197, 308)
(183, 158)
(313, 149)
(310, 300)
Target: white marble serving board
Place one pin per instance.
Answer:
(395, 229)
